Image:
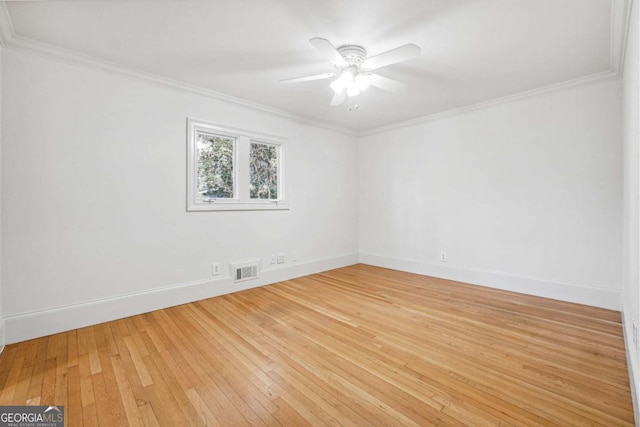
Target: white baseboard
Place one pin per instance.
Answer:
(24, 326)
(631, 365)
(564, 291)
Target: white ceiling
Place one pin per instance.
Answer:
(472, 50)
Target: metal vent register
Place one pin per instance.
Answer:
(245, 270)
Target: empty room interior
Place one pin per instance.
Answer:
(296, 212)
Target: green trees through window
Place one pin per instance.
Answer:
(215, 166)
(263, 171)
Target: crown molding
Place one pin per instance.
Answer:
(6, 27)
(619, 29)
(24, 44)
(598, 77)
(623, 36)
(620, 18)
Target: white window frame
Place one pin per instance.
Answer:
(243, 139)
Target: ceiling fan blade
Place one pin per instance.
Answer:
(338, 98)
(332, 54)
(392, 56)
(386, 83)
(309, 78)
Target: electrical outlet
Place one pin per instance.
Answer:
(280, 258)
(635, 332)
(443, 257)
(215, 268)
(274, 258)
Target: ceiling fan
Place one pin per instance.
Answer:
(353, 73)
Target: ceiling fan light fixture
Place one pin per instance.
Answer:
(363, 81)
(337, 86)
(353, 91)
(346, 79)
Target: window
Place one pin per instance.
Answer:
(232, 169)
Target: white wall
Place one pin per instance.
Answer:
(94, 196)
(524, 195)
(631, 205)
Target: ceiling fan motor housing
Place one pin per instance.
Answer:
(353, 54)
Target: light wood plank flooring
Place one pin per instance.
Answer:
(355, 346)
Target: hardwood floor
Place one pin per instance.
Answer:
(355, 346)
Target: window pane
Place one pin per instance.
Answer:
(215, 166)
(263, 171)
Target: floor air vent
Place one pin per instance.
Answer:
(242, 271)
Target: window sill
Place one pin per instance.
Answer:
(227, 206)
